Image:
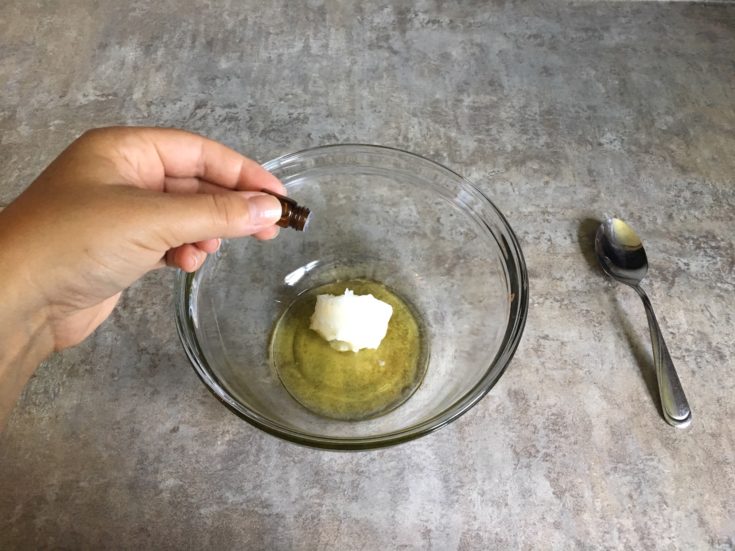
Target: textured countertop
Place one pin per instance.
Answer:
(561, 113)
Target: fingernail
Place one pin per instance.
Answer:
(264, 209)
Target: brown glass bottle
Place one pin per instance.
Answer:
(292, 214)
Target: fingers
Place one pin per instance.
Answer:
(208, 245)
(190, 185)
(195, 185)
(187, 155)
(188, 257)
(190, 218)
(268, 233)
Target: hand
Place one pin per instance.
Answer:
(117, 203)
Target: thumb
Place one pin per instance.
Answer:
(200, 216)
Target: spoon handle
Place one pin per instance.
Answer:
(673, 401)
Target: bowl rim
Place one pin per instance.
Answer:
(187, 336)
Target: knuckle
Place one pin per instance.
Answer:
(102, 133)
(94, 134)
(225, 212)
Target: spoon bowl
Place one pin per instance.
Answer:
(621, 252)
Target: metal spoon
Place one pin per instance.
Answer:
(623, 258)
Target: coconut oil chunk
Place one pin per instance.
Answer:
(350, 321)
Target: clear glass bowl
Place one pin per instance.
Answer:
(382, 214)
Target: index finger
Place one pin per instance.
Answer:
(187, 155)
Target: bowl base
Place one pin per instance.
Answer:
(350, 386)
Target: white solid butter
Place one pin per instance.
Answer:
(350, 321)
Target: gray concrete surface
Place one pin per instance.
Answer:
(561, 112)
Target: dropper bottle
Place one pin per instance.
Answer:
(292, 214)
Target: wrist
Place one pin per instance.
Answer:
(25, 335)
(26, 341)
(23, 322)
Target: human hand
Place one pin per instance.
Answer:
(117, 203)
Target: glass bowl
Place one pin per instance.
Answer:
(381, 214)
